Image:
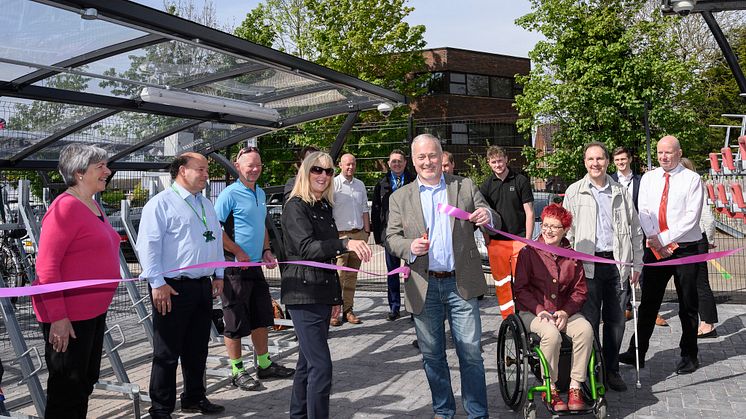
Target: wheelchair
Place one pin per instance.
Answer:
(519, 355)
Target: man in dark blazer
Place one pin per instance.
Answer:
(395, 178)
(630, 180)
(446, 273)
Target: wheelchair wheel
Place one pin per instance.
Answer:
(600, 410)
(512, 362)
(529, 411)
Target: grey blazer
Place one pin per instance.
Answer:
(407, 223)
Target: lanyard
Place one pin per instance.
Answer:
(208, 233)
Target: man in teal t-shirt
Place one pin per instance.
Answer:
(247, 303)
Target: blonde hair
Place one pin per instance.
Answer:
(688, 164)
(302, 187)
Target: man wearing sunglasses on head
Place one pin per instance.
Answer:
(247, 303)
(605, 223)
(352, 215)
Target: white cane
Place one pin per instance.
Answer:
(637, 350)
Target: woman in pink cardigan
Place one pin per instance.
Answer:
(77, 242)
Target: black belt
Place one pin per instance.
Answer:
(441, 274)
(605, 255)
(184, 278)
(353, 231)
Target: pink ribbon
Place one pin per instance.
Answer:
(68, 285)
(572, 254)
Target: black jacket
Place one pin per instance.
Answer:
(380, 204)
(635, 185)
(310, 233)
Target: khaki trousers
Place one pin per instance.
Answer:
(348, 280)
(578, 329)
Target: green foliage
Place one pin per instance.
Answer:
(721, 92)
(113, 197)
(369, 40)
(592, 76)
(139, 196)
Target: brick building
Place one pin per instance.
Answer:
(469, 103)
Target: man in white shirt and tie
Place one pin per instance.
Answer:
(670, 206)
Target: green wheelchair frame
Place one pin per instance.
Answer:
(515, 365)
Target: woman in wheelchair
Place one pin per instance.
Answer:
(549, 291)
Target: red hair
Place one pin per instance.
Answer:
(559, 212)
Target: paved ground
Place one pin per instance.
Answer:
(378, 374)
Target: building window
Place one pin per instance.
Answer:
(480, 134)
(477, 85)
(459, 134)
(458, 84)
(501, 87)
(435, 83)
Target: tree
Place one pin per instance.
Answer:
(369, 40)
(594, 73)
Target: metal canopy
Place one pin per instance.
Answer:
(78, 71)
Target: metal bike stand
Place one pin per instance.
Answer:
(23, 355)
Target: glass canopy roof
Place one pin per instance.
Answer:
(146, 85)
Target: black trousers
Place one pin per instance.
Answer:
(181, 334)
(73, 373)
(653, 289)
(708, 313)
(603, 302)
(312, 383)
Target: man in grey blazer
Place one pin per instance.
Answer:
(446, 273)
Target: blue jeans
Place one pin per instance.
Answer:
(394, 286)
(605, 301)
(443, 302)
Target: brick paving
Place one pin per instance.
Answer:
(378, 373)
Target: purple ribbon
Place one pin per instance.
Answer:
(68, 285)
(572, 254)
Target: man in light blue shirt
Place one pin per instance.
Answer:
(446, 274)
(179, 228)
(247, 303)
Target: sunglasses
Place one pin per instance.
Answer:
(246, 150)
(317, 170)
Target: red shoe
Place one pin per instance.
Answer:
(557, 404)
(575, 400)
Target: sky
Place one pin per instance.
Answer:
(481, 25)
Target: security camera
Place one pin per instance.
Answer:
(682, 7)
(385, 109)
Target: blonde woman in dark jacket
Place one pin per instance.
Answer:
(309, 293)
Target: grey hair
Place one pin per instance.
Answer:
(427, 137)
(75, 159)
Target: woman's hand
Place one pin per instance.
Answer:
(545, 316)
(60, 334)
(560, 320)
(361, 249)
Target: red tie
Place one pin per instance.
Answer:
(664, 203)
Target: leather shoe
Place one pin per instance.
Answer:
(393, 316)
(351, 318)
(660, 321)
(203, 406)
(155, 415)
(628, 314)
(687, 365)
(274, 371)
(629, 358)
(335, 322)
(615, 381)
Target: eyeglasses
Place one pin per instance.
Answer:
(317, 170)
(246, 150)
(551, 227)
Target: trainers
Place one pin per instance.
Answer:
(274, 371)
(557, 404)
(575, 399)
(615, 381)
(245, 381)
